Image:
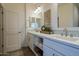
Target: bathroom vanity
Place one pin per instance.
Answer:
(53, 44)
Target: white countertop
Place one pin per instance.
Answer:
(54, 37)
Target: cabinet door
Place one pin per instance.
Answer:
(50, 52)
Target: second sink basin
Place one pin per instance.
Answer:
(68, 38)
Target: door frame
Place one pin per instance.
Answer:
(2, 48)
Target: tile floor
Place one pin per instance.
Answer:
(26, 51)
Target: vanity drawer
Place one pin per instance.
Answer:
(47, 51)
(50, 52)
(64, 49)
(45, 54)
(55, 53)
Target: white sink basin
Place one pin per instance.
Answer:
(68, 38)
(56, 35)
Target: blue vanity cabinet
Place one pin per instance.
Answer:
(50, 51)
(59, 49)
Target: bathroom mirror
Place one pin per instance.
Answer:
(40, 15)
(68, 15)
(35, 22)
(36, 17)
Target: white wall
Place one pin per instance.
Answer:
(68, 15)
(47, 6)
(20, 11)
(65, 15)
(75, 14)
(54, 15)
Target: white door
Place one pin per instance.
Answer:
(11, 33)
(0, 30)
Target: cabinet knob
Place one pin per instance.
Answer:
(53, 54)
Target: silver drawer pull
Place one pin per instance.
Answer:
(53, 54)
(19, 32)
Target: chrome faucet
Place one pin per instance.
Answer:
(65, 30)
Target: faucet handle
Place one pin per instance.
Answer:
(62, 34)
(71, 35)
